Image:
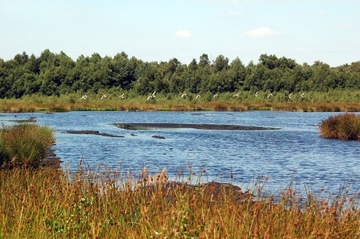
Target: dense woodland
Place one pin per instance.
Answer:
(53, 74)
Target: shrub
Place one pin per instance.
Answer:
(24, 145)
(344, 126)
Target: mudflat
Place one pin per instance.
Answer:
(144, 126)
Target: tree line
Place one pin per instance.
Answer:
(58, 74)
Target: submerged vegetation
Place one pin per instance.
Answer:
(48, 204)
(24, 145)
(344, 126)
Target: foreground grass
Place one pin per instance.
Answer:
(344, 126)
(47, 204)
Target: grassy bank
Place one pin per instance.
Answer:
(344, 126)
(46, 204)
(332, 101)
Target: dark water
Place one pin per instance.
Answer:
(294, 153)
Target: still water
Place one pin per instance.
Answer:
(293, 153)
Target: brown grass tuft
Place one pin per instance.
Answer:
(343, 126)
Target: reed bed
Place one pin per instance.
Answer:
(17, 106)
(343, 126)
(48, 203)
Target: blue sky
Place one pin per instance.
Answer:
(159, 30)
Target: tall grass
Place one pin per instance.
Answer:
(24, 145)
(343, 126)
(47, 204)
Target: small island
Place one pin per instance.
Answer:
(343, 126)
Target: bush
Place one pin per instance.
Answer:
(344, 126)
(24, 145)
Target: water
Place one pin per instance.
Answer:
(295, 153)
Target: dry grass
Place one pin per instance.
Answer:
(343, 126)
(47, 204)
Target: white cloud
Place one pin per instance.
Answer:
(183, 34)
(260, 32)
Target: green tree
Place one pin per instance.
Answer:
(255, 76)
(321, 76)
(221, 63)
(237, 73)
(204, 60)
(270, 62)
(193, 66)
(122, 71)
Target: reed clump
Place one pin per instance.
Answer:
(343, 126)
(24, 145)
(51, 204)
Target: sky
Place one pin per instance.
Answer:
(160, 30)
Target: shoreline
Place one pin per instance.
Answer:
(18, 106)
(51, 160)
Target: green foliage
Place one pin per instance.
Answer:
(53, 74)
(24, 145)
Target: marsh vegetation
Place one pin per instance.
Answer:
(343, 126)
(332, 101)
(24, 145)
